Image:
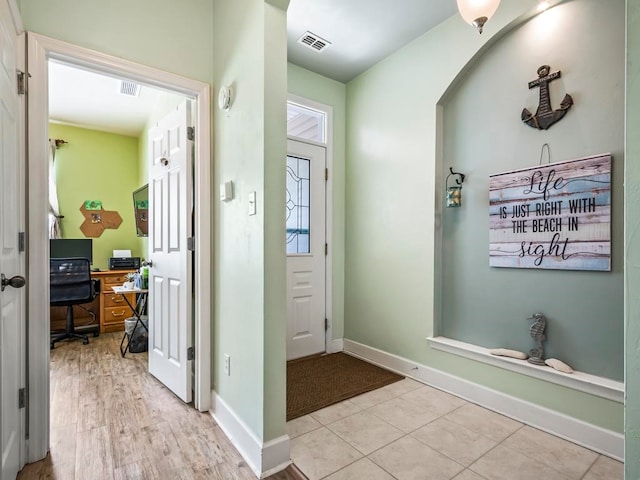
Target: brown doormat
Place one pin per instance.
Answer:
(322, 380)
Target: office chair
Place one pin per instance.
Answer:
(70, 284)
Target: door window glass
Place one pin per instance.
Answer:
(297, 204)
(305, 123)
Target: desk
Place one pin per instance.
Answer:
(141, 303)
(114, 309)
(107, 310)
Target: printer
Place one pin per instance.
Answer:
(124, 263)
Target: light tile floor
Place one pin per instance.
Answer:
(408, 431)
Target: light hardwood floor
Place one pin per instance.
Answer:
(112, 420)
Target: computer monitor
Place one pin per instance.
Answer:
(141, 210)
(71, 247)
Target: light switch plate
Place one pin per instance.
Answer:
(226, 191)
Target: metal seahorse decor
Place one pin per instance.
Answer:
(545, 116)
(536, 355)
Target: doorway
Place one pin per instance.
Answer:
(41, 50)
(105, 130)
(308, 209)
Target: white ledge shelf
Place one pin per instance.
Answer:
(584, 382)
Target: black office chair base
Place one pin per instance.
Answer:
(64, 336)
(81, 329)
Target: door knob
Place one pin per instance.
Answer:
(147, 263)
(16, 282)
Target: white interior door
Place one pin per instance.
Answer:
(12, 262)
(306, 254)
(170, 292)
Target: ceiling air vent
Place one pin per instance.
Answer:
(313, 41)
(129, 88)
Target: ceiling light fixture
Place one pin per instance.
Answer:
(477, 12)
(543, 5)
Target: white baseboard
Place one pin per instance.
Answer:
(264, 459)
(335, 346)
(582, 433)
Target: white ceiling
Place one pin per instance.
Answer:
(91, 100)
(361, 32)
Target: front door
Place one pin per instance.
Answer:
(306, 249)
(170, 292)
(12, 261)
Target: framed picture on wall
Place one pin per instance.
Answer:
(555, 216)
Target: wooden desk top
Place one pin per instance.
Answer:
(105, 273)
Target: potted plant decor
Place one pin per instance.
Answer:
(131, 279)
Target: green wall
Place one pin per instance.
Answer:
(250, 149)
(393, 152)
(274, 117)
(632, 245)
(329, 92)
(390, 184)
(483, 135)
(173, 36)
(101, 166)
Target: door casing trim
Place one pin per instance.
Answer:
(39, 50)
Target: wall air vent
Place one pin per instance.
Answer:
(129, 88)
(313, 41)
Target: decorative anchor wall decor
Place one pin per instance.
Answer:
(545, 116)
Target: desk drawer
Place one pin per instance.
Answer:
(116, 300)
(116, 315)
(115, 279)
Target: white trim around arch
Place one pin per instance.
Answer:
(40, 50)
